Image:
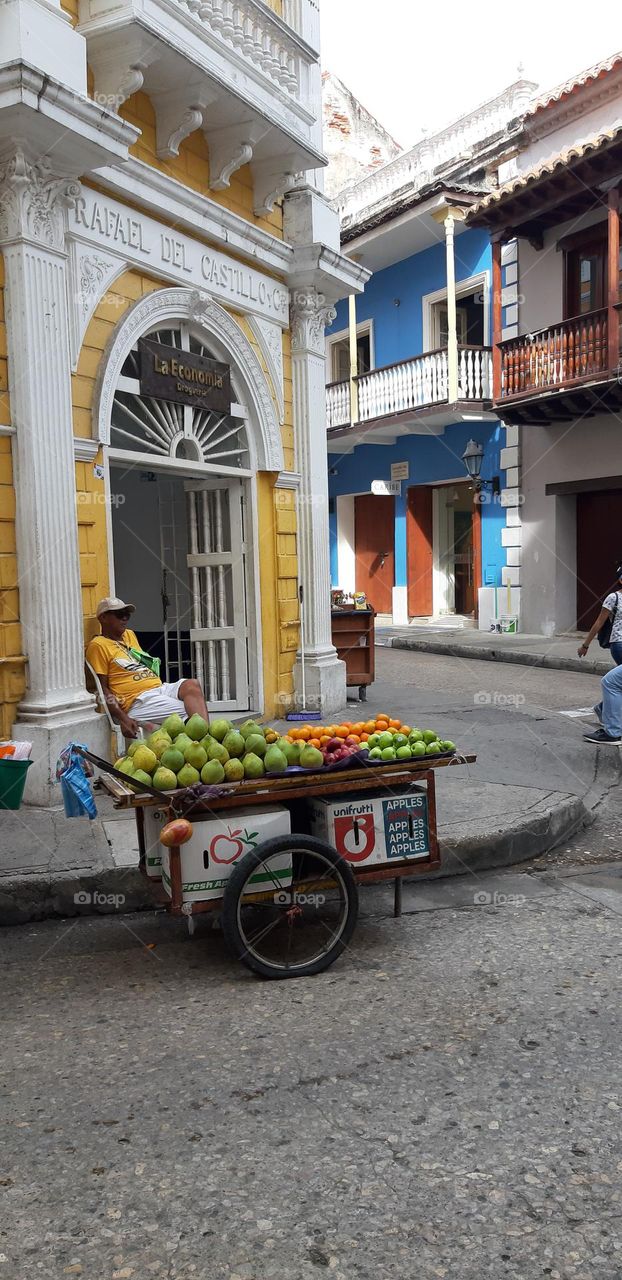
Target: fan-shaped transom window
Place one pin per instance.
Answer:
(144, 424)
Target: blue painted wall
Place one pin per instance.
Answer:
(430, 458)
(398, 330)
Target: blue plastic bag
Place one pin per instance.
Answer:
(73, 774)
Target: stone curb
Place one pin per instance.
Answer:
(27, 898)
(523, 658)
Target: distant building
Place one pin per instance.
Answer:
(354, 142)
(410, 382)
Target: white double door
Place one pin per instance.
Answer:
(203, 563)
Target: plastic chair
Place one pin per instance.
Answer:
(115, 729)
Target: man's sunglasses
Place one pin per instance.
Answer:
(122, 614)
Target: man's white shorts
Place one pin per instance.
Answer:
(154, 705)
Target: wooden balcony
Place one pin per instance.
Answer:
(397, 392)
(549, 375)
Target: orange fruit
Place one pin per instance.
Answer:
(314, 742)
(370, 726)
(353, 737)
(324, 739)
(381, 725)
(365, 736)
(406, 729)
(395, 724)
(342, 731)
(358, 727)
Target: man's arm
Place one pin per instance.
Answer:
(130, 727)
(594, 629)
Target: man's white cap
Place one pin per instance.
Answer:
(112, 604)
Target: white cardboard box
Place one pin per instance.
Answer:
(218, 843)
(374, 829)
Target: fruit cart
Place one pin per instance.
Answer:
(281, 858)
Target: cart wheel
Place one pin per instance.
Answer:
(290, 907)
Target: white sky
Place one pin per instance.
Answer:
(419, 64)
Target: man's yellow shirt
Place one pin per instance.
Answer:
(127, 677)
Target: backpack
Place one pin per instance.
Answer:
(604, 635)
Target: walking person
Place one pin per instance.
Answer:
(609, 711)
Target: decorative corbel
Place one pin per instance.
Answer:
(116, 79)
(177, 116)
(231, 148)
(271, 179)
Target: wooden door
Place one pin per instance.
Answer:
(374, 542)
(599, 520)
(586, 276)
(419, 533)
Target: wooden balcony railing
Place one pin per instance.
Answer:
(410, 385)
(569, 352)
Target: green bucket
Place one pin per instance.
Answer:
(12, 782)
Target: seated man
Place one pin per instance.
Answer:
(133, 693)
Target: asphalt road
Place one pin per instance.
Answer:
(444, 1102)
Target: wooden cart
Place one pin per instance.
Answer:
(304, 935)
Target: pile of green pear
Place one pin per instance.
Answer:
(180, 755)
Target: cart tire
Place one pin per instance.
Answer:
(334, 936)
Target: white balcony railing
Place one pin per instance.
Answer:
(410, 385)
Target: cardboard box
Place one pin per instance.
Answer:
(218, 843)
(373, 830)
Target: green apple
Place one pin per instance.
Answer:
(404, 752)
(385, 740)
(387, 753)
(375, 753)
(418, 749)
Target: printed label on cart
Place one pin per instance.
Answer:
(355, 835)
(227, 847)
(406, 828)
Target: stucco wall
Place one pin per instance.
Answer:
(589, 449)
(541, 275)
(398, 330)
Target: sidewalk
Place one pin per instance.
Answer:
(557, 652)
(534, 784)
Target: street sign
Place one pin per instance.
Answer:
(384, 488)
(399, 470)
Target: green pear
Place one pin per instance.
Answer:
(275, 761)
(218, 752)
(218, 729)
(212, 772)
(196, 728)
(172, 759)
(188, 776)
(173, 725)
(164, 780)
(253, 766)
(234, 743)
(196, 755)
(234, 770)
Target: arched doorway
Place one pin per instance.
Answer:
(182, 502)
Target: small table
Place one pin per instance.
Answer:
(353, 635)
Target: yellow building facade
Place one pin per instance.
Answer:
(164, 212)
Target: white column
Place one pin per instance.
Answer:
(452, 327)
(354, 362)
(324, 673)
(56, 707)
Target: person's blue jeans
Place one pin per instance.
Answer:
(611, 685)
(616, 654)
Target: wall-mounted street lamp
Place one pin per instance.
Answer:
(473, 457)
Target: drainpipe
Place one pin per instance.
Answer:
(354, 364)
